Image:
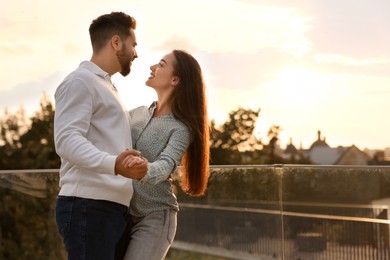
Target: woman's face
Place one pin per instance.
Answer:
(162, 74)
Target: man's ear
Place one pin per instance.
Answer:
(116, 42)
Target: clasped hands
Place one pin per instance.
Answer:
(130, 164)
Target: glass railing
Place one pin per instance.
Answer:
(27, 223)
(248, 212)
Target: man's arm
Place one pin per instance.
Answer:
(74, 108)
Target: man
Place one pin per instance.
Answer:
(91, 127)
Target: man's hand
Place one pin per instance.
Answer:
(138, 166)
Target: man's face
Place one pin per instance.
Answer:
(127, 53)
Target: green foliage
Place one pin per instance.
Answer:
(28, 147)
(269, 149)
(235, 136)
(237, 132)
(234, 143)
(12, 127)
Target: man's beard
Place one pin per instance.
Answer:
(124, 59)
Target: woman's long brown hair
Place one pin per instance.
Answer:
(189, 106)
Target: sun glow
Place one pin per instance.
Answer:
(298, 84)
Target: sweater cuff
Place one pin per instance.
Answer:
(109, 164)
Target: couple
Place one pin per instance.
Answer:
(116, 199)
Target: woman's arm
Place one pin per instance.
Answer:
(160, 169)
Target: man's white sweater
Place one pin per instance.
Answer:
(91, 127)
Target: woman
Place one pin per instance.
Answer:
(173, 131)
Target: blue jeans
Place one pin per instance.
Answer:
(90, 228)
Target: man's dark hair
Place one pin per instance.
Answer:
(105, 26)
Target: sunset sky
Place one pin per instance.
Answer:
(307, 64)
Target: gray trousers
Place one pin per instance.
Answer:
(152, 236)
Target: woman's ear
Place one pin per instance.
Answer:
(175, 80)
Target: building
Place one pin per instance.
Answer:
(321, 153)
(338, 156)
(380, 158)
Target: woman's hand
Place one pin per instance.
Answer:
(131, 160)
(130, 164)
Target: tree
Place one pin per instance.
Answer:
(38, 142)
(273, 136)
(12, 126)
(29, 147)
(234, 137)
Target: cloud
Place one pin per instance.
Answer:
(227, 26)
(18, 49)
(374, 66)
(243, 70)
(29, 93)
(351, 61)
(72, 49)
(176, 42)
(350, 27)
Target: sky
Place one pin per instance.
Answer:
(308, 65)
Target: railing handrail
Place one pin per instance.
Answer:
(252, 166)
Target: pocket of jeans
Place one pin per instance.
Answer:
(64, 208)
